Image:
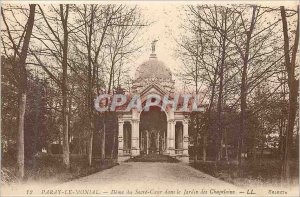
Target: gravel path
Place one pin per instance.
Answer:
(146, 176)
(144, 179)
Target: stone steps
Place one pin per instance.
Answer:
(153, 158)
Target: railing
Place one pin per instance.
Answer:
(178, 151)
(126, 151)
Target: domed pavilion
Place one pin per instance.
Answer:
(155, 131)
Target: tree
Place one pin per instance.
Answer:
(58, 47)
(105, 38)
(290, 56)
(19, 60)
(239, 52)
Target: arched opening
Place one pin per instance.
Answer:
(153, 131)
(178, 136)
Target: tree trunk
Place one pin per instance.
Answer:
(90, 146)
(36, 123)
(23, 91)
(69, 117)
(112, 155)
(20, 159)
(243, 104)
(103, 139)
(262, 147)
(220, 97)
(281, 137)
(282, 120)
(207, 130)
(290, 65)
(66, 152)
(90, 87)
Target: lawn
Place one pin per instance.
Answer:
(49, 168)
(264, 171)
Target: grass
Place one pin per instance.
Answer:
(49, 168)
(265, 171)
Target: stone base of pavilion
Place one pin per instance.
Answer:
(183, 159)
(123, 158)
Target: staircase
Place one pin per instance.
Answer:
(153, 158)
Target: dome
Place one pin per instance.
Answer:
(153, 68)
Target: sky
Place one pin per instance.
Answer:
(165, 22)
(165, 17)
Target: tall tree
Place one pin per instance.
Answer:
(64, 14)
(243, 52)
(243, 104)
(57, 48)
(290, 56)
(20, 55)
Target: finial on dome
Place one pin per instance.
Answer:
(153, 55)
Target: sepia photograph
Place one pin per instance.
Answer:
(149, 98)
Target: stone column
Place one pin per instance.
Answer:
(165, 141)
(120, 138)
(147, 135)
(135, 147)
(185, 137)
(168, 136)
(158, 143)
(172, 137)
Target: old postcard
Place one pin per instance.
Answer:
(149, 98)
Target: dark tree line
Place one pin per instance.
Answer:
(242, 59)
(70, 54)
